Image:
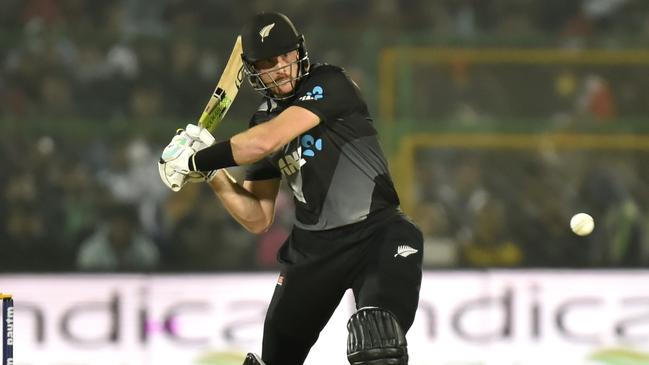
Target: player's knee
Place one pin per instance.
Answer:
(376, 338)
(253, 359)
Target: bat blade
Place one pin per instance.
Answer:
(225, 92)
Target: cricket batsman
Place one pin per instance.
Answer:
(314, 130)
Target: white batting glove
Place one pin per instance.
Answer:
(174, 162)
(202, 139)
(200, 134)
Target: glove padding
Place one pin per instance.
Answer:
(174, 162)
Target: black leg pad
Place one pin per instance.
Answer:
(376, 338)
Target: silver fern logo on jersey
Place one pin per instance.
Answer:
(405, 251)
(265, 31)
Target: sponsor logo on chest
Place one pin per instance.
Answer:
(292, 162)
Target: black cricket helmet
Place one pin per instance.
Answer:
(269, 35)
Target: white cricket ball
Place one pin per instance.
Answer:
(582, 224)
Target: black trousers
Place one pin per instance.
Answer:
(319, 267)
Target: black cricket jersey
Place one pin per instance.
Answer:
(337, 170)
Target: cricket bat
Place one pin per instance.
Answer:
(225, 92)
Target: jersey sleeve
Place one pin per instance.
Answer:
(329, 93)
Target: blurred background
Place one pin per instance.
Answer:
(501, 119)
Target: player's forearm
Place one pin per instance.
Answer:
(255, 143)
(242, 205)
(242, 149)
(266, 138)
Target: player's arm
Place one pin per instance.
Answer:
(251, 204)
(265, 138)
(255, 143)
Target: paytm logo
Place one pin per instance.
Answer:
(310, 145)
(316, 94)
(293, 162)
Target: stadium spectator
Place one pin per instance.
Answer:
(118, 244)
(93, 81)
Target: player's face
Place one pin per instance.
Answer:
(279, 73)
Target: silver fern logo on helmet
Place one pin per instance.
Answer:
(265, 31)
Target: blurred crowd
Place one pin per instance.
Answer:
(503, 207)
(99, 206)
(563, 96)
(136, 58)
(84, 83)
